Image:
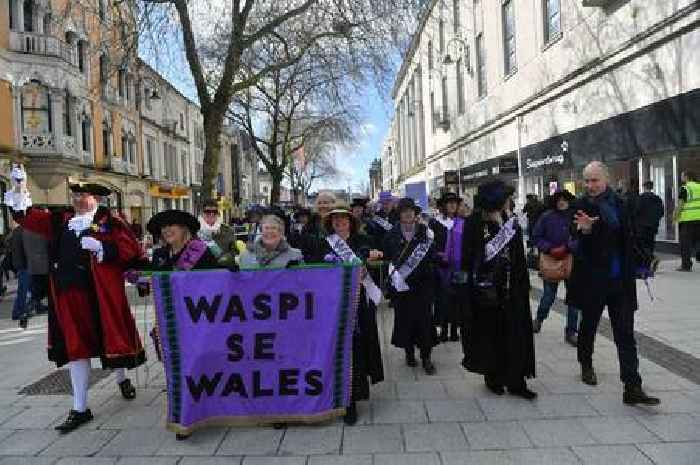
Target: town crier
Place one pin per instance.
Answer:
(90, 315)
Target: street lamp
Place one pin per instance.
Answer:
(461, 47)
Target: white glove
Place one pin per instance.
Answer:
(93, 245)
(18, 201)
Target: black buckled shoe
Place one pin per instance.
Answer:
(634, 395)
(127, 389)
(75, 420)
(428, 367)
(350, 417)
(182, 436)
(588, 376)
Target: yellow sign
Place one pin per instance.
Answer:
(168, 192)
(570, 186)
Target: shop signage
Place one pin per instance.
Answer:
(532, 163)
(168, 192)
(506, 165)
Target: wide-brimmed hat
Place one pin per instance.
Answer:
(492, 195)
(171, 217)
(90, 188)
(408, 204)
(565, 194)
(339, 210)
(448, 197)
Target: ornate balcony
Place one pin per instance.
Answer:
(38, 143)
(40, 44)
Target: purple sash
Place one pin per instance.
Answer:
(194, 250)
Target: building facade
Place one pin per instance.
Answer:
(531, 90)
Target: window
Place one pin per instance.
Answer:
(122, 82)
(182, 122)
(132, 150)
(67, 123)
(461, 104)
(81, 56)
(85, 128)
(11, 9)
(47, 24)
(552, 20)
(481, 66)
(183, 158)
(147, 97)
(28, 7)
(128, 87)
(443, 112)
(457, 12)
(103, 69)
(149, 156)
(441, 36)
(430, 54)
(509, 60)
(36, 109)
(106, 144)
(125, 148)
(102, 9)
(432, 111)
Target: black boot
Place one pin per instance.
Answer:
(411, 358)
(634, 395)
(588, 376)
(350, 417)
(521, 390)
(182, 436)
(493, 386)
(127, 389)
(75, 420)
(23, 323)
(428, 366)
(454, 334)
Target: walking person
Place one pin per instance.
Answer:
(498, 340)
(20, 309)
(36, 251)
(687, 215)
(410, 248)
(552, 236)
(648, 211)
(603, 276)
(90, 316)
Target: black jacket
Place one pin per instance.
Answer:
(649, 210)
(397, 250)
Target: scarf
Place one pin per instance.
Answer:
(206, 232)
(446, 221)
(265, 256)
(453, 248)
(607, 204)
(190, 255)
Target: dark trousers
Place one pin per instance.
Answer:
(647, 239)
(688, 235)
(622, 322)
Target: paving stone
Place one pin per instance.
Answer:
(384, 390)
(36, 418)
(617, 430)
(79, 443)
(552, 433)
(454, 410)
(672, 454)
(27, 442)
(86, 461)
(27, 460)
(508, 408)
(611, 404)
(606, 455)
(564, 406)
(274, 461)
(204, 442)
(372, 439)
(209, 461)
(251, 441)
(139, 417)
(135, 442)
(9, 412)
(673, 427)
(153, 461)
(496, 435)
(434, 437)
(406, 459)
(512, 457)
(340, 460)
(312, 440)
(384, 411)
(421, 390)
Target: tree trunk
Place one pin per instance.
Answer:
(212, 151)
(276, 185)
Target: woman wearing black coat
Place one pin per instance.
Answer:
(413, 294)
(367, 364)
(499, 341)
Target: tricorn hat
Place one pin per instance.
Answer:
(90, 188)
(408, 204)
(171, 217)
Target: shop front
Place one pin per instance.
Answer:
(504, 168)
(167, 197)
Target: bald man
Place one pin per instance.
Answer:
(603, 276)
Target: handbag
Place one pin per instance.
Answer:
(555, 270)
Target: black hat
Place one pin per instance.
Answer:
(90, 188)
(170, 217)
(408, 204)
(492, 195)
(448, 197)
(302, 212)
(554, 198)
(359, 202)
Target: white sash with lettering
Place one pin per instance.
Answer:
(503, 237)
(344, 251)
(382, 222)
(398, 277)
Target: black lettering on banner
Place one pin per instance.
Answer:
(258, 391)
(287, 302)
(264, 342)
(234, 308)
(203, 306)
(309, 298)
(235, 384)
(288, 382)
(313, 380)
(234, 343)
(204, 385)
(263, 311)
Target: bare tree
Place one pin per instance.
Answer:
(220, 40)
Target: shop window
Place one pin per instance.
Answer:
(36, 108)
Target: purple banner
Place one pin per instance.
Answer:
(256, 346)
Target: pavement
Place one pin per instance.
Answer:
(446, 419)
